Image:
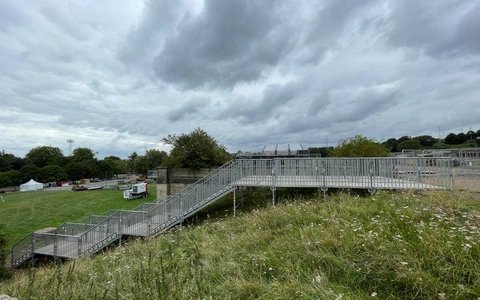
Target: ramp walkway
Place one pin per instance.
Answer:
(72, 240)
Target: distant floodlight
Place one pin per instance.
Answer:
(70, 143)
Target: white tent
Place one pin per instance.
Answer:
(32, 185)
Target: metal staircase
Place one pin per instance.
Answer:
(71, 240)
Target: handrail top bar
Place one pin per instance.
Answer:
(83, 224)
(131, 211)
(57, 234)
(344, 158)
(73, 223)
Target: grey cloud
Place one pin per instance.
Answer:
(228, 43)
(317, 104)
(365, 105)
(158, 19)
(189, 108)
(326, 27)
(439, 28)
(467, 31)
(341, 110)
(274, 97)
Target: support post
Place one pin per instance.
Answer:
(55, 245)
(273, 194)
(234, 202)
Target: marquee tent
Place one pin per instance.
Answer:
(32, 185)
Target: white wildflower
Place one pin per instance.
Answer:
(317, 279)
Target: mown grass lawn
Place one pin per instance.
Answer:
(24, 212)
(386, 246)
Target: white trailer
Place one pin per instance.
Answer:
(138, 190)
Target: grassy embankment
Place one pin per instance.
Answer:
(24, 212)
(390, 245)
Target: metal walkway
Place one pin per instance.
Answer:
(71, 240)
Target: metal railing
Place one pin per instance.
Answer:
(95, 232)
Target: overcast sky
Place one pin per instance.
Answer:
(118, 75)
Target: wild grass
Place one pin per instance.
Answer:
(24, 212)
(385, 246)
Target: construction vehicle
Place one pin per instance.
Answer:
(138, 190)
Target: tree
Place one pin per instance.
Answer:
(51, 173)
(426, 140)
(79, 170)
(119, 166)
(155, 158)
(82, 155)
(391, 144)
(452, 139)
(195, 150)
(320, 151)
(10, 162)
(471, 135)
(10, 178)
(140, 165)
(404, 138)
(45, 155)
(105, 168)
(29, 171)
(462, 138)
(359, 146)
(112, 157)
(131, 161)
(410, 144)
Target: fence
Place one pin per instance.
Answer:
(95, 232)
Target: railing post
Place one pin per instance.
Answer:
(181, 204)
(371, 173)
(273, 194)
(418, 170)
(274, 177)
(324, 187)
(452, 174)
(55, 245)
(79, 246)
(33, 242)
(234, 201)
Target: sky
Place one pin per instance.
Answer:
(117, 76)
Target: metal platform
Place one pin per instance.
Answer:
(71, 240)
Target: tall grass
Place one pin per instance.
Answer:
(386, 246)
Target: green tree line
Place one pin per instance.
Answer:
(48, 164)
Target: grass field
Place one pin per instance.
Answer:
(24, 212)
(385, 246)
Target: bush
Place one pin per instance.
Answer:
(359, 146)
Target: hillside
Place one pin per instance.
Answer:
(390, 245)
